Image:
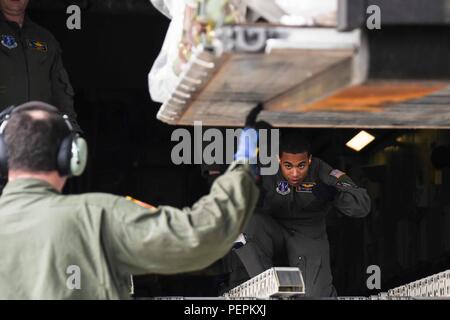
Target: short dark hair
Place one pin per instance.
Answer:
(292, 142)
(33, 143)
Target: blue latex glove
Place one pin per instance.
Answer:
(247, 146)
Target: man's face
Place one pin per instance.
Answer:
(13, 7)
(294, 167)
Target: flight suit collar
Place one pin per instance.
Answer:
(26, 22)
(28, 186)
(311, 172)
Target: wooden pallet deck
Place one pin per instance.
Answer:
(318, 82)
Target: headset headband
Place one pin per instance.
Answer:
(72, 151)
(32, 106)
(35, 105)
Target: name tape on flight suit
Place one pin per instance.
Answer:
(306, 187)
(284, 189)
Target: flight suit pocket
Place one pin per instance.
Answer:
(43, 59)
(310, 268)
(6, 69)
(316, 205)
(301, 264)
(315, 264)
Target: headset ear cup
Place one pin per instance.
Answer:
(64, 156)
(3, 157)
(79, 157)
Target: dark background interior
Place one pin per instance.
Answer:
(406, 234)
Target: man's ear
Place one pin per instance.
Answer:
(279, 160)
(310, 159)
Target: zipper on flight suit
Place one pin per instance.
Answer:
(27, 67)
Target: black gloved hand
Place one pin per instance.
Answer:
(250, 120)
(263, 125)
(324, 192)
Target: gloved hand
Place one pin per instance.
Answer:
(263, 125)
(247, 146)
(324, 192)
(247, 150)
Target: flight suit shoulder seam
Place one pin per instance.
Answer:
(87, 200)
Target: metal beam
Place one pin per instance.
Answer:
(352, 14)
(96, 6)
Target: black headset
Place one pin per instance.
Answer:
(72, 152)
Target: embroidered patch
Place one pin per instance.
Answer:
(283, 188)
(9, 41)
(337, 173)
(140, 203)
(344, 184)
(305, 187)
(38, 45)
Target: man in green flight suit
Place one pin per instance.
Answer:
(31, 66)
(55, 246)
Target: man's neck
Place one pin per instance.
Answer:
(19, 19)
(52, 178)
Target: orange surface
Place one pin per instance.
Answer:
(373, 97)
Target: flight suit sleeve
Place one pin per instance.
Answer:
(351, 200)
(62, 90)
(168, 240)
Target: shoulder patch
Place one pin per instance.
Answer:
(337, 173)
(140, 203)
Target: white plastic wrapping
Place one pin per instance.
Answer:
(180, 37)
(162, 78)
(308, 12)
(183, 35)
